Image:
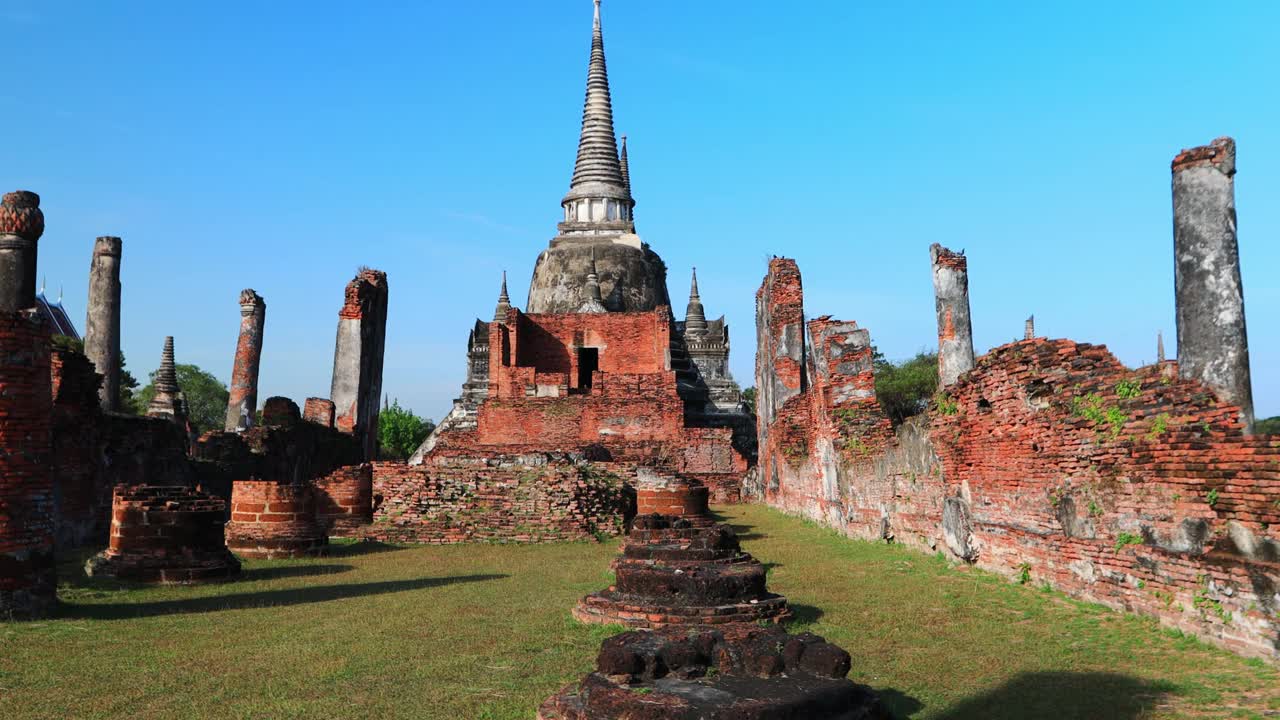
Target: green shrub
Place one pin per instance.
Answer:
(904, 388)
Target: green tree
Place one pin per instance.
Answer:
(400, 432)
(1270, 426)
(749, 397)
(904, 388)
(206, 396)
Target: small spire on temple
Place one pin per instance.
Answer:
(1029, 332)
(504, 302)
(167, 375)
(593, 303)
(626, 165)
(695, 317)
(1159, 346)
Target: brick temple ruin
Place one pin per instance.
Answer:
(1049, 460)
(1045, 460)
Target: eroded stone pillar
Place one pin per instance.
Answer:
(102, 321)
(1213, 346)
(242, 404)
(357, 358)
(955, 331)
(21, 225)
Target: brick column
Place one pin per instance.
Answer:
(21, 225)
(955, 332)
(102, 319)
(357, 358)
(28, 583)
(1213, 346)
(242, 404)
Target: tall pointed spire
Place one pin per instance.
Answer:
(1159, 346)
(695, 316)
(598, 146)
(599, 201)
(504, 302)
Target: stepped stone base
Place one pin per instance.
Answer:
(740, 672)
(683, 571)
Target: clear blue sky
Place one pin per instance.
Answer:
(280, 145)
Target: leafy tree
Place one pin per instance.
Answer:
(904, 388)
(400, 432)
(128, 401)
(206, 396)
(749, 397)
(1270, 426)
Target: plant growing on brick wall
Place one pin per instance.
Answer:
(1124, 539)
(1108, 421)
(946, 405)
(1211, 497)
(1128, 389)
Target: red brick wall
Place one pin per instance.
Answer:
(629, 343)
(462, 501)
(344, 499)
(27, 581)
(270, 520)
(165, 534)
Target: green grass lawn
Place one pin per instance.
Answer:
(483, 631)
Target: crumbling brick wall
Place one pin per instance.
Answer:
(1052, 463)
(510, 499)
(93, 452)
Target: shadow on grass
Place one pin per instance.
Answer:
(1063, 696)
(804, 613)
(265, 598)
(288, 571)
(364, 547)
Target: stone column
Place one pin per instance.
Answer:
(102, 321)
(21, 225)
(1213, 346)
(955, 332)
(242, 405)
(357, 358)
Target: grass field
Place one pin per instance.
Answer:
(483, 631)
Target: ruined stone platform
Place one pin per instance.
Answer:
(677, 571)
(165, 534)
(731, 673)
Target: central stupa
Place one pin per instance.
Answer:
(598, 228)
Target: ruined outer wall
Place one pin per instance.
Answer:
(1133, 488)
(462, 501)
(1052, 462)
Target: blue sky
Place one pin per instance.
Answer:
(281, 145)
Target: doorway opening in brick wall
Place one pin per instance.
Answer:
(588, 363)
